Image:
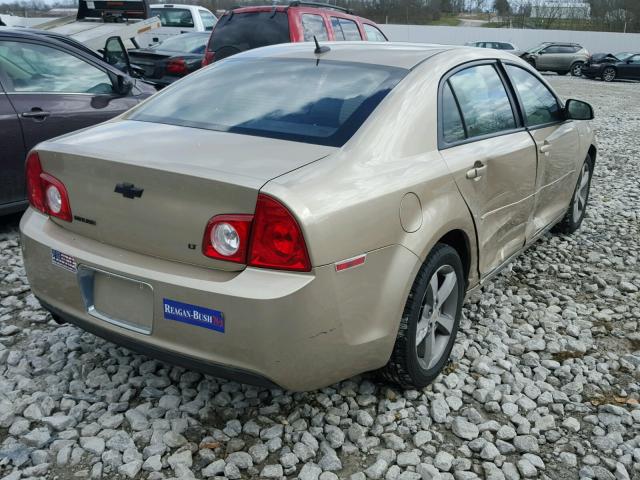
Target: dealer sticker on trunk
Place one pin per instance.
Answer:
(193, 315)
(63, 260)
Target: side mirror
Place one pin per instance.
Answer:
(123, 85)
(578, 110)
(629, 61)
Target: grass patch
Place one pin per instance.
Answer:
(446, 21)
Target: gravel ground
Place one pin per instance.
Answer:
(543, 383)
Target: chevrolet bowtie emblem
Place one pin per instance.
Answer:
(128, 190)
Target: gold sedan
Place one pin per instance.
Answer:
(297, 215)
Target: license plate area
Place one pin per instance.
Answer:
(116, 299)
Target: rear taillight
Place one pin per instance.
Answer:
(177, 66)
(276, 238)
(227, 237)
(45, 192)
(271, 238)
(208, 58)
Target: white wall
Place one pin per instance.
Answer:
(15, 21)
(524, 39)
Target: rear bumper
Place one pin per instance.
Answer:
(299, 331)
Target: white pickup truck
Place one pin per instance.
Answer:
(99, 20)
(177, 19)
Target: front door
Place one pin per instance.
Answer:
(630, 68)
(557, 141)
(54, 91)
(12, 155)
(493, 161)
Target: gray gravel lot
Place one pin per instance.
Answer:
(544, 380)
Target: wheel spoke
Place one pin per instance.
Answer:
(447, 287)
(421, 330)
(444, 323)
(433, 285)
(429, 344)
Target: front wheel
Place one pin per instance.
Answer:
(576, 69)
(609, 74)
(430, 321)
(578, 206)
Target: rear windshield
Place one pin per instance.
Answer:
(292, 99)
(173, 17)
(237, 32)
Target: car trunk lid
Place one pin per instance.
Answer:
(170, 181)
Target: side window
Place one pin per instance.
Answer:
(208, 19)
(373, 34)
(540, 105)
(32, 67)
(551, 49)
(350, 29)
(337, 29)
(635, 60)
(173, 17)
(483, 101)
(452, 126)
(313, 25)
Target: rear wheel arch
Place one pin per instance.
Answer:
(459, 241)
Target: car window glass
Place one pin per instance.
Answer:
(208, 19)
(540, 105)
(483, 100)
(173, 17)
(373, 34)
(349, 29)
(187, 42)
(452, 127)
(323, 104)
(337, 29)
(635, 59)
(32, 67)
(238, 32)
(551, 49)
(313, 26)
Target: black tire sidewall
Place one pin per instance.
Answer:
(441, 255)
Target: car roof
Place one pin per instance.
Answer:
(392, 54)
(334, 9)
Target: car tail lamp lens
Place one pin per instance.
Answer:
(227, 237)
(208, 58)
(276, 238)
(271, 238)
(177, 66)
(45, 192)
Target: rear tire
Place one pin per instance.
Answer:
(576, 69)
(609, 74)
(578, 205)
(430, 321)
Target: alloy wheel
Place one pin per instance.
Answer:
(437, 316)
(582, 193)
(577, 70)
(609, 75)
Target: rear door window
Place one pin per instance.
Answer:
(350, 29)
(173, 17)
(323, 103)
(337, 29)
(373, 34)
(484, 103)
(237, 32)
(313, 26)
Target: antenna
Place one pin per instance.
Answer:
(319, 49)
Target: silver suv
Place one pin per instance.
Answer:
(561, 58)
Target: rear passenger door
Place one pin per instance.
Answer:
(557, 141)
(12, 153)
(491, 156)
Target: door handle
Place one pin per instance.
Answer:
(545, 147)
(478, 170)
(36, 113)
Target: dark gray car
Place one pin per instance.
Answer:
(48, 88)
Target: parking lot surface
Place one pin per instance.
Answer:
(544, 380)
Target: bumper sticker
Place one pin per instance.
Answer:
(64, 261)
(193, 315)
